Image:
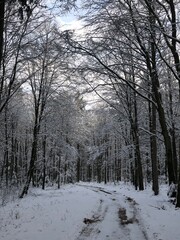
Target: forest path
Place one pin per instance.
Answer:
(90, 211)
(116, 218)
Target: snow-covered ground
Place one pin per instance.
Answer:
(89, 211)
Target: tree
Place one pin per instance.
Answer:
(42, 69)
(16, 19)
(104, 51)
(2, 12)
(10, 50)
(14, 141)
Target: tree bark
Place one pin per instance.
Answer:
(59, 171)
(151, 65)
(178, 192)
(32, 161)
(44, 162)
(138, 173)
(6, 153)
(2, 12)
(153, 143)
(78, 165)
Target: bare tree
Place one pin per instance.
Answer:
(42, 69)
(12, 34)
(114, 27)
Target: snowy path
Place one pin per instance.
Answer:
(106, 223)
(90, 212)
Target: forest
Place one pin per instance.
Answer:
(101, 103)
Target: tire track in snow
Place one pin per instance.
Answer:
(107, 224)
(91, 228)
(136, 217)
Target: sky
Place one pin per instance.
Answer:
(70, 19)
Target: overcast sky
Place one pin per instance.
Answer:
(70, 19)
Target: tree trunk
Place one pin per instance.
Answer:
(138, 174)
(151, 64)
(173, 133)
(178, 192)
(165, 132)
(6, 153)
(99, 164)
(44, 162)
(138, 164)
(32, 161)
(59, 171)
(153, 143)
(78, 165)
(138, 170)
(2, 11)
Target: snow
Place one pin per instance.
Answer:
(58, 214)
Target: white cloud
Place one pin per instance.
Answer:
(74, 24)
